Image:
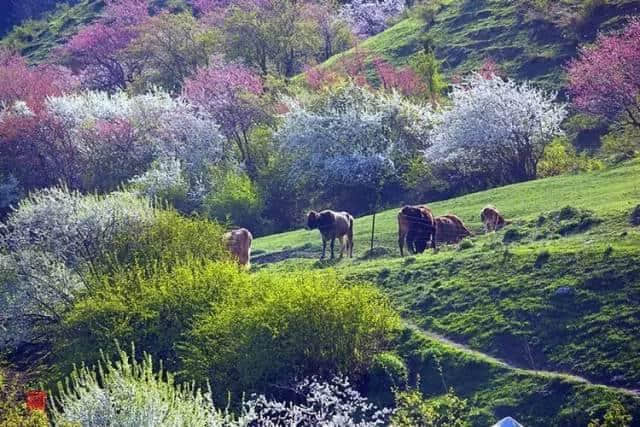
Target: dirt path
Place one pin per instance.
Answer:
(511, 366)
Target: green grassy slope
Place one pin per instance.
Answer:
(558, 290)
(36, 38)
(466, 32)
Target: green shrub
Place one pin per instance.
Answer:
(279, 327)
(465, 244)
(234, 199)
(412, 409)
(616, 416)
(150, 308)
(560, 157)
(388, 372)
(171, 238)
(622, 143)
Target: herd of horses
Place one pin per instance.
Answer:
(418, 229)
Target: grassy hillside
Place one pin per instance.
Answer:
(36, 38)
(527, 44)
(558, 290)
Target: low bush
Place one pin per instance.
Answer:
(412, 409)
(388, 372)
(234, 199)
(560, 157)
(171, 239)
(264, 334)
(151, 307)
(616, 416)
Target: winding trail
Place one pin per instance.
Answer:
(465, 349)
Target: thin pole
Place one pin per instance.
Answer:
(373, 228)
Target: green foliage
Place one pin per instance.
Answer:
(412, 409)
(427, 66)
(170, 48)
(388, 373)
(168, 241)
(234, 199)
(13, 410)
(560, 157)
(147, 290)
(616, 416)
(151, 308)
(267, 331)
(622, 143)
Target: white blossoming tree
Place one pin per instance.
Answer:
(352, 140)
(495, 127)
(45, 245)
(369, 17)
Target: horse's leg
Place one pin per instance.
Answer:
(333, 243)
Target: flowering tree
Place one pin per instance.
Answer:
(45, 242)
(97, 46)
(496, 126)
(403, 79)
(96, 141)
(347, 144)
(31, 85)
(230, 93)
(605, 79)
(369, 17)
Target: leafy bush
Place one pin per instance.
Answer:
(560, 157)
(279, 327)
(616, 416)
(153, 308)
(170, 240)
(412, 409)
(234, 199)
(622, 143)
(388, 372)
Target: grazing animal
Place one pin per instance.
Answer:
(492, 219)
(333, 225)
(451, 229)
(238, 242)
(416, 226)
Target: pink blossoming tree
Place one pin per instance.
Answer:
(97, 47)
(229, 92)
(605, 79)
